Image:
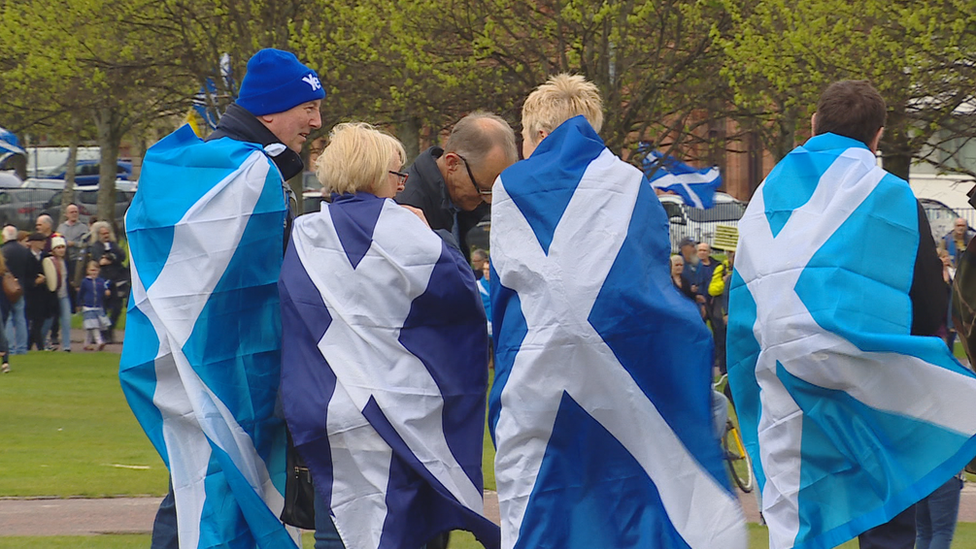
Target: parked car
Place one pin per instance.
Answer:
(87, 172)
(87, 201)
(697, 223)
(9, 181)
(20, 207)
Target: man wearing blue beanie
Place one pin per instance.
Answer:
(231, 187)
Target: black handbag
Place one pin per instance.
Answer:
(299, 507)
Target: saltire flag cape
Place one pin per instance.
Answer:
(600, 408)
(848, 418)
(384, 373)
(201, 362)
(695, 186)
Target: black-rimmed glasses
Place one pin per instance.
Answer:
(471, 176)
(401, 177)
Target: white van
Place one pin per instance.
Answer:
(696, 223)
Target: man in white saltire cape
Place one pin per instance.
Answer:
(600, 409)
(201, 361)
(385, 364)
(849, 412)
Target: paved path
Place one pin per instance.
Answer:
(78, 517)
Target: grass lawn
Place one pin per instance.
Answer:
(67, 431)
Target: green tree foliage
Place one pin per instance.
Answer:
(96, 57)
(781, 54)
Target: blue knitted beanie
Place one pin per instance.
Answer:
(277, 81)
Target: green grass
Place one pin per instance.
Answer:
(68, 431)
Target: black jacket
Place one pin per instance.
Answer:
(240, 125)
(427, 191)
(19, 260)
(928, 292)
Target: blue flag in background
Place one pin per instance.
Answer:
(849, 418)
(696, 186)
(600, 409)
(201, 360)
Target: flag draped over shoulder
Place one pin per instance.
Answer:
(600, 409)
(384, 373)
(695, 186)
(201, 361)
(849, 419)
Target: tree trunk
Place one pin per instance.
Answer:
(68, 194)
(785, 136)
(408, 130)
(109, 127)
(895, 146)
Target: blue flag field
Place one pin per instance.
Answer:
(384, 373)
(848, 418)
(201, 360)
(600, 409)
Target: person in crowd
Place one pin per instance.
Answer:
(589, 338)
(41, 302)
(484, 287)
(400, 262)
(478, 259)
(22, 238)
(452, 185)
(681, 283)
(18, 260)
(948, 274)
(4, 344)
(688, 249)
(92, 293)
(259, 139)
(55, 267)
(837, 291)
(958, 238)
(718, 309)
(703, 274)
(75, 234)
(110, 257)
(45, 225)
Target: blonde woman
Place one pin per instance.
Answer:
(407, 330)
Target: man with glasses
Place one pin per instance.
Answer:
(452, 186)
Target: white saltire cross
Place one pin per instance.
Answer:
(563, 353)
(362, 346)
(787, 334)
(205, 241)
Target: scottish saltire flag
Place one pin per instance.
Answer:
(848, 418)
(600, 409)
(201, 360)
(384, 373)
(695, 186)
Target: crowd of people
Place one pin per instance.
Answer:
(60, 272)
(354, 340)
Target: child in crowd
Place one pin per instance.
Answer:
(91, 297)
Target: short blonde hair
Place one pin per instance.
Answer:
(562, 97)
(357, 158)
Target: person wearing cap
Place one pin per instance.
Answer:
(256, 145)
(41, 303)
(55, 270)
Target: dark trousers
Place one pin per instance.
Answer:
(897, 533)
(165, 535)
(936, 516)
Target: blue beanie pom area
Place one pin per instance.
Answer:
(277, 81)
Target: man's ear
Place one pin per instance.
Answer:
(813, 123)
(877, 140)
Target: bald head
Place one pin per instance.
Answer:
(480, 147)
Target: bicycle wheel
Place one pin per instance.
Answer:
(737, 459)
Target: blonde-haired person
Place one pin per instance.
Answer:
(110, 258)
(562, 97)
(366, 257)
(580, 246)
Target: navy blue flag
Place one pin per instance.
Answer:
(601, 407)
(384, 373)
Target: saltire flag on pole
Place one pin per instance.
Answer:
(695, 186)
(601, 404)
(848, 418)
(384, 373)
(201, 361)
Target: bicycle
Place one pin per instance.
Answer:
(736, 458)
